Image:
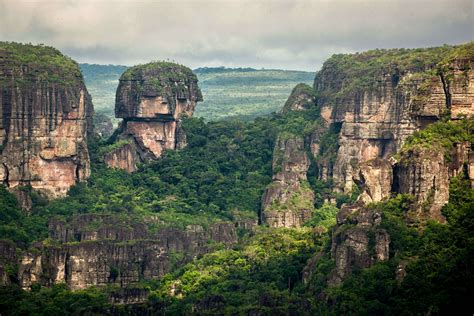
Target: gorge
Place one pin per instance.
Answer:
(356, 192)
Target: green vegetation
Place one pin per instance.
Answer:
(442, 135)
(221, 176)
(245, 93)
(240, 93)
(43, 63)
(438, 260)
(299, 90)
(260, 277)
(116, 145)
(361, 71)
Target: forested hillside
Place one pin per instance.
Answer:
(241, 93)
(356, 199)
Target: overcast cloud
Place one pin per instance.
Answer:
(294, 34)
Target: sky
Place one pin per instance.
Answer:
(297, 34)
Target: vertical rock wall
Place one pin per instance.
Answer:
(288, 200)
(45, 116)
(152, 99)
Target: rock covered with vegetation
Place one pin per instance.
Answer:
(95, 249)
(381, 250)
(152, 99)
(288, 200)
(380, 97)
(301, 97)
(46, 115)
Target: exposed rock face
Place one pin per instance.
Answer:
(375, 180)
(376, 120)
(152, 99)
(360, 245)
(46, 114)
(101, 249)
(423, 173)
(124, 157)
(300, 98)
(288, 200)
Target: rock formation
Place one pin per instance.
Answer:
(372, 118)
(152, 99)
(357, 241)
(46, 115)
(301, 98)
(377, 113)
(288, 200)
(95, 249)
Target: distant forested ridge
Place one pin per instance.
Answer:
(242, 93)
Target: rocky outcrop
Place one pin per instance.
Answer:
(357, 241)
(95, 249)
(375, 180)
(45, 117)
(123, 157)
(301, 98)
(425, 171)
(379, 108)
(152, 99)
(288, 200)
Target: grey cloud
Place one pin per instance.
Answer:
(298, 34)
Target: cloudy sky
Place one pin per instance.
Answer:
(296, 34)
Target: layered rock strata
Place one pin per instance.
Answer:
(97, 249)
(357, 241)
(288, 200)
(152, 99)
(301, 98)
(398, 100)
(45, 117)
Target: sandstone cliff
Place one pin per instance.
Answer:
(377, 116)
(152, 99)
(46, 115)
(95, 249)
(288, 200)
(380, 98)
(301, 97)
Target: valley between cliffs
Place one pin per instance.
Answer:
(356, 198)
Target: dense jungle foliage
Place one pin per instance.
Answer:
(223, 172)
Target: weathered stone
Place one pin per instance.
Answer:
(94, 249)
(375, 180)
(124, 157)
(288, 200)
(152, 99)
(356, 232)
(46, 114)
(376, 121)
(423, 173)
(301, 98)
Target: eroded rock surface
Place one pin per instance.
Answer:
(95, 249)
(301, 98)
(288, 200)
(376, 114)
(152, 99)
(46, 114)
(357, 241)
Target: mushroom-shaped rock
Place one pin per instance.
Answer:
(152, 99)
